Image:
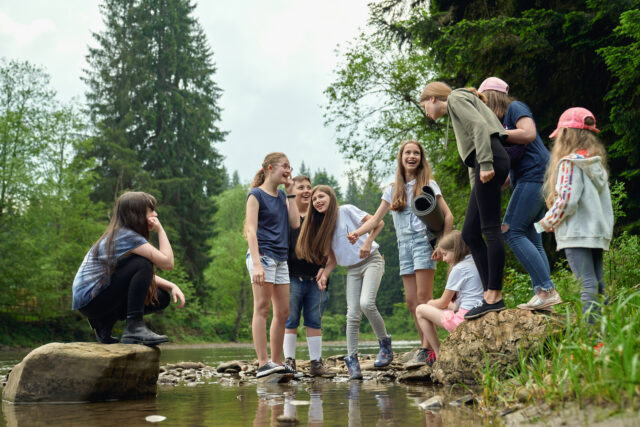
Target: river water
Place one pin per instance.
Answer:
(323, 403)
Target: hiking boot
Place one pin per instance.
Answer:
(103, 330)
(353, 365)
(318, 370)
(539, 303)
(385, 355)
(484, 308)
(136, 332)
(270, 368)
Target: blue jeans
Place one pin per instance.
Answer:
(526, 206)
(586, 264)
(304, 295)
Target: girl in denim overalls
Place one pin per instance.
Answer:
(417, 256)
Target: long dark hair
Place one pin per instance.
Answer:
(130, 211)
(314, 242)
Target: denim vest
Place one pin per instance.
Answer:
(402, 224)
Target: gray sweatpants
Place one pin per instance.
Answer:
(363, 281)
(586, 264)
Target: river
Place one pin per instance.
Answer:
(323, 403)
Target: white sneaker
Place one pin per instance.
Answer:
(538, 303)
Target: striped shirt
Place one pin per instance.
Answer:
(90, 275)
(564, 190)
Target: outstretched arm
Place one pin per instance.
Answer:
(172, 288)
(370, 223)
(365, 250)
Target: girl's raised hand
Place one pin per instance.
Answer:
(288, 185)
(353, 237)
(154, 223)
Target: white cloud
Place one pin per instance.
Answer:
(23, 34)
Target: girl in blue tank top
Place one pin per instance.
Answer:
(268, 217)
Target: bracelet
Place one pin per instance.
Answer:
(291, 196)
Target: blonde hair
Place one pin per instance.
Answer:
(423, 176)
(269, 159)
(314, 242)
(453, 242)
(441, 92)
(568, 141)
(498, 102)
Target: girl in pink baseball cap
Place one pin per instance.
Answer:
(526, 205)
(577, 194)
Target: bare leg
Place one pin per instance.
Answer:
(428, 318)
(261, 300)
(411, 296)
(280, 300)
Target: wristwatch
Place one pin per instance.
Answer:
(291, 196)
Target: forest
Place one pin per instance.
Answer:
(151, 121)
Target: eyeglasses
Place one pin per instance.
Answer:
(284, 166)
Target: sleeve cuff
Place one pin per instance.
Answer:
(486, 166)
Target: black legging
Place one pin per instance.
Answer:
(483, 218)
(125, 295)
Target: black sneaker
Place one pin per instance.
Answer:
(484, 308)
(288, 369)
(268, 369)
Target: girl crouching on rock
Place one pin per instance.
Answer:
(116, 279)
(463, 285)
(323, 239)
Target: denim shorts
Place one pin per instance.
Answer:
(276, 272)
(414, 253)
(306, 297)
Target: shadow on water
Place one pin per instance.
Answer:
(320, 403)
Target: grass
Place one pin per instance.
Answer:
(569, 367)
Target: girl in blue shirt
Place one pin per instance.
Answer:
(526, 205)
(117, 279)
(268, 217)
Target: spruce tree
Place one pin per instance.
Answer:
(154, 105)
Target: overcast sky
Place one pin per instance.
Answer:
(274, 59)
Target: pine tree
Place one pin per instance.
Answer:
(153, 101)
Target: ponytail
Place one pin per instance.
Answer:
(258, 180)
(474, 91)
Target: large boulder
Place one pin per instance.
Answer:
(80, 372)
(492, 340)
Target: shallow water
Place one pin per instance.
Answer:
(323, 403)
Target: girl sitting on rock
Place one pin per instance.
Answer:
(116, 279)
(463, 291)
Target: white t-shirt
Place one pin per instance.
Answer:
(465, 280)
(349, 219)
(387, 196)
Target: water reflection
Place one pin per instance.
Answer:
(226, 403)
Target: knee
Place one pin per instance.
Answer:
(282, 315)
(261, 309)
(412, 305)
(368, 307)
(142, 265)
